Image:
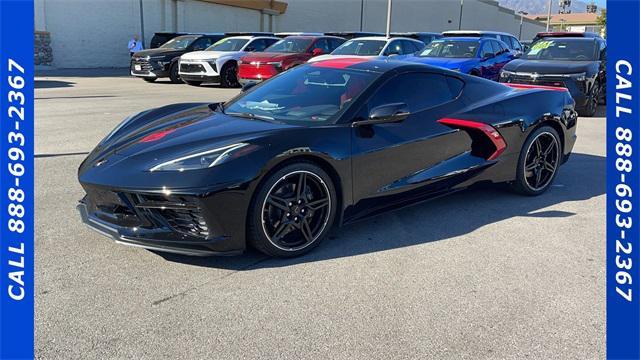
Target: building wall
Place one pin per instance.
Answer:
(94, 33)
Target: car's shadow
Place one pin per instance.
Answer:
(581, 178)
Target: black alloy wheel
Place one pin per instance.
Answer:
(173, 73)
(293, 211)
(539, 161)
(229, 75)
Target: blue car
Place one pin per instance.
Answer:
(482, 57)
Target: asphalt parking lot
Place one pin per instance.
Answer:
(481, 274)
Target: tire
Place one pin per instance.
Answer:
(173, 73)
(229, 75)
(592, 102)
(293, 224)
(532, 162)
(150, 80)
(192, 83)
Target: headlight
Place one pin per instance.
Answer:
(579, 76)
(505, 74)
(201, 160)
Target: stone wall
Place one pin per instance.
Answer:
(42, 52)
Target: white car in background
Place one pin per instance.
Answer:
(219, 62)
(373, 46)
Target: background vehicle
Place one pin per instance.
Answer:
(279, 164)
(561, 34)
(512, 42)
(162, 62)
(372, 47)
(425, 37)
(297, 33)
(353, 34)
(576, 63)
(219, 62)
(283, 55)
(162, 37)
(482, 57)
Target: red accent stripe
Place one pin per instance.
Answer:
(156, 136)
(528, 86)
(339, 63)
(488, 130)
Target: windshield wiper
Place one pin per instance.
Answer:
(248, 115)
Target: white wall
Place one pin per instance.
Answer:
(94, 33)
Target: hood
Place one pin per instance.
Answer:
(549, 66)
(170, 132)
(158, 52)
(447, 63)
(329, 56)
(207, 55)
(269, 56)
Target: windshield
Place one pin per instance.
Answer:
(360, 47)
(562, 49)
(306, 95)
(298, 45)
(228, 45)
(450, 49)
(179, 43)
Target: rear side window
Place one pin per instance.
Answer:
(497, 47)
(515, 44)
(420, 91)
(486, 49)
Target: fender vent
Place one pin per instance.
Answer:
(486, 140)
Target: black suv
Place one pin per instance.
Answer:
(575, 63)
(163, 61)
(162, 37)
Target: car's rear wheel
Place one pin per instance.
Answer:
(173, 73)
(150, 80)
(292, 211)
(539, 160)
(192, 83)
(229, 75)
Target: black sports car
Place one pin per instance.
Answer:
(324, 143)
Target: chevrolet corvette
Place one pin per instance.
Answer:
(322, 144)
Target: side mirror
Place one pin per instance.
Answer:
(488, 56)
(317, 51)
(389, 113)
(248, 86)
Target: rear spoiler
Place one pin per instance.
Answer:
(527, 86)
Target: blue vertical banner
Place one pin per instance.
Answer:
(623, 179)
(16, 179)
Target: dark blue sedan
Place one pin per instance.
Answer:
(470, 55)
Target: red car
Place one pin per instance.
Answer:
(283, 55)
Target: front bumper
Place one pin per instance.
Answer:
(140, 67)
(198, 71)
(577, 89)
(184, 225)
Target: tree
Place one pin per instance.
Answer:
(602, 21)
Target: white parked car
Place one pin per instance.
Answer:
(373, 46)
(219, 62)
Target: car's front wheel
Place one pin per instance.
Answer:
(538, 163)
(229, 75)
(293, 210)
(592, 101)
(173, 73)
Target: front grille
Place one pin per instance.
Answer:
(182, 214)
(145, 66)
(538, 80)
(191, 68)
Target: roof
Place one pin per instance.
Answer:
(365, 64)
(383, 38)
(454, 32)
(464, 38)
(573, 18)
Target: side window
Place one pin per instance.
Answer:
(420, 91)
(202, 43)
(516, 44)
(334, 43)
(257, 45)
(603, 50)
(322, 44)
(394, 48)
(486, 49)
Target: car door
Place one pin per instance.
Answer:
(389, 160)
(487, 59)
(503, 56)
